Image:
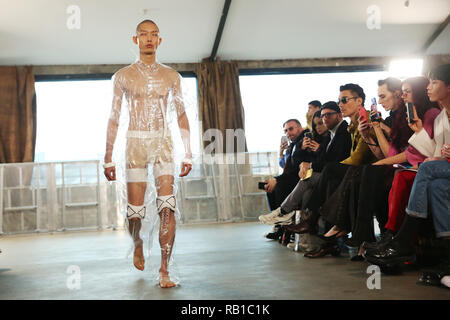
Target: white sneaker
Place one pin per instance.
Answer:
(280, 219)
(266, 217)
(446, 281)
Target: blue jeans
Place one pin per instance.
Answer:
(432, 183)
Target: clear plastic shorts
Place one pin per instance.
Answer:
(145, 148)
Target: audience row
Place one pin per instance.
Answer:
(344, 174)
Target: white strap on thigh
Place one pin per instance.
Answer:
(137, 175)
(165, 202)
(135, 212)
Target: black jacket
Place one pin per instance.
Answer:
(291, 169)
(339, 148)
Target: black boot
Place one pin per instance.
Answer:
(386, 236)
(433, 276)
(399, 249)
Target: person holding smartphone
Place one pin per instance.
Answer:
(284, 153)
(330, 132)
(430, 186)
(279, 187)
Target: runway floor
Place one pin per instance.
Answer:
(216, 261)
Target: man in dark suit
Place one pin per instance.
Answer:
(279, 187)
(338, 146)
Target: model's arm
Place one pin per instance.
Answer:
(113, 125)
(183, 124)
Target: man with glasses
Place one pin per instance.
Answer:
(338, 145)
(351, 99)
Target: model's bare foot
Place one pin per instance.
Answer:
(164, 280)
(138, 258)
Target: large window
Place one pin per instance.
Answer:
(72, 117)
(270, 100)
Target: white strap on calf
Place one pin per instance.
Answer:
(135, 212)
(165, 202)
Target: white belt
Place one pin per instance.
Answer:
(145, 134)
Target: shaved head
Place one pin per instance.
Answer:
(146, 21)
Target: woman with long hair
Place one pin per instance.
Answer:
(430, 188)
(367, 189)
(414, 91)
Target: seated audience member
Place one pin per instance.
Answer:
(313, 107)
(368, 188)
(279, 187)
(351, 99)
(426, 112)
(331, 143)
(431, 186)
(364, 190)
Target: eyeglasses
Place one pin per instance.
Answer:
(328, 114)
(344, 100)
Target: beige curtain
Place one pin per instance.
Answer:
(17, 114)
(219, 97)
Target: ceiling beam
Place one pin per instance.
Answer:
(223, 18)
(436, 34)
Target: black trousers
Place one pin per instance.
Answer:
(362, 194)
(330, 178)
(373, 201)
(280, 192)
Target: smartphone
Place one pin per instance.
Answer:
(308, 135)
(374, 114)
(261, 185)
(374, 104)
(410, 112)
(363, 114)
(284, 139)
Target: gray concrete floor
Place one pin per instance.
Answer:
(216, 261)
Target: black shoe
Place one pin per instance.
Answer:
(273, 235)
(386, 237)
(433, 276)
(443, 269)
(392, 253)
(334, 237)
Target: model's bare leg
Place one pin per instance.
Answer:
(136, 193)
(166, 208)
